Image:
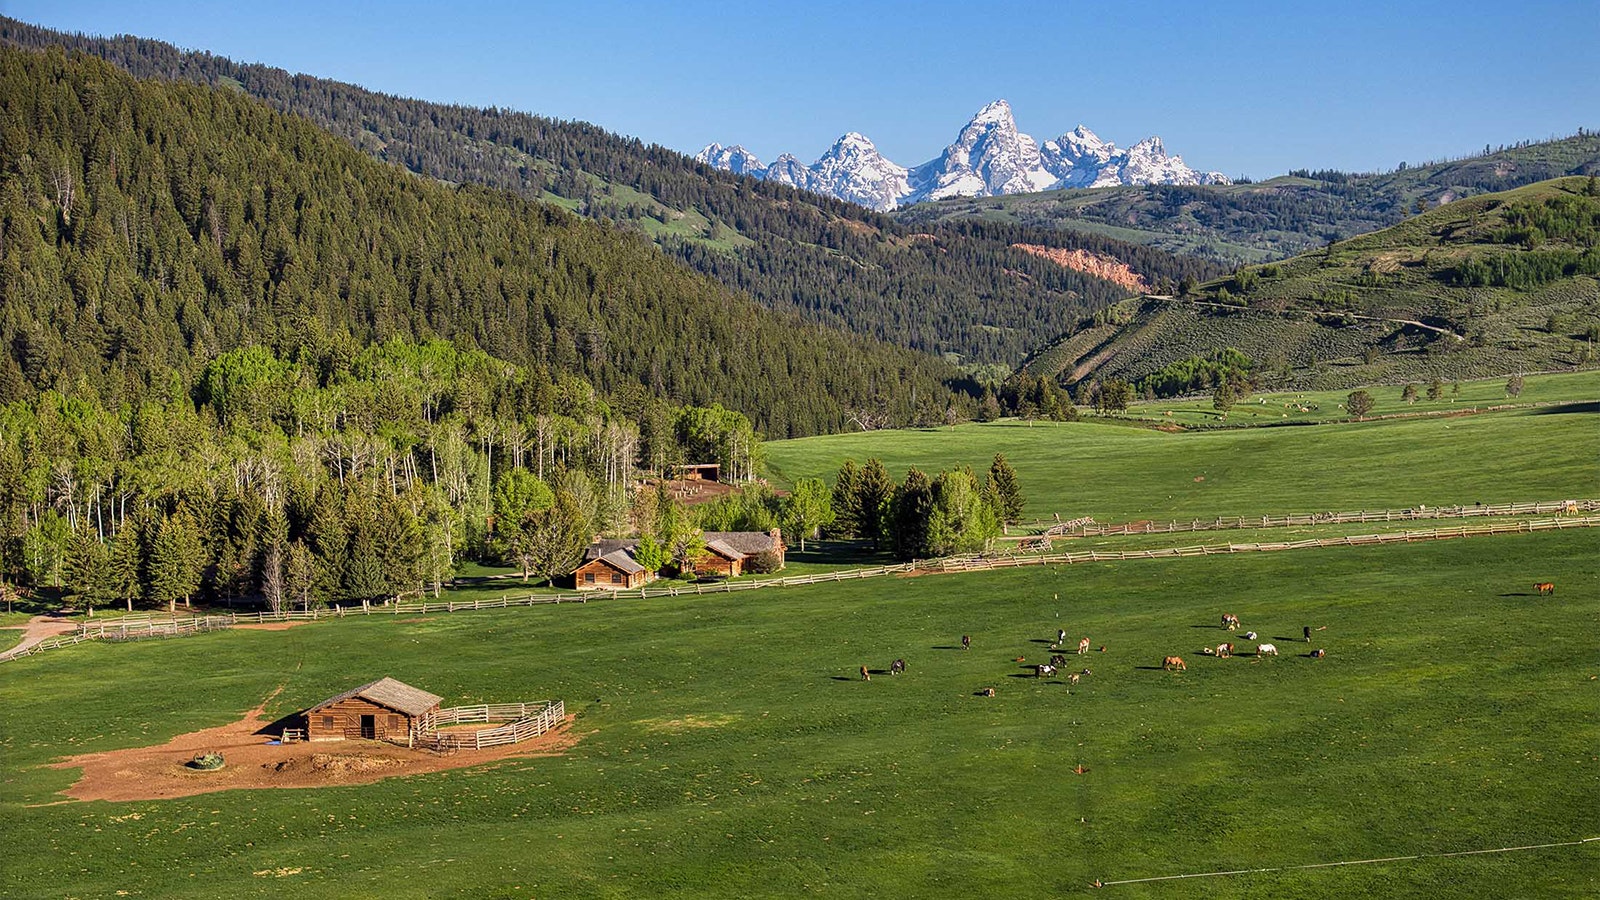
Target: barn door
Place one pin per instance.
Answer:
(369, 726)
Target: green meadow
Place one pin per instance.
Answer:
(1119, 471)
(729, 748)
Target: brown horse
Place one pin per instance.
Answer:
(1545, 587)
(1083, 646)
(865, 675)
(1173, 662)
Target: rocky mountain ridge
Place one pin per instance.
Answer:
(990, 157)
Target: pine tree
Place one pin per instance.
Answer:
(912, 513)
(874, 494)
(1006, 490)
(846, 499)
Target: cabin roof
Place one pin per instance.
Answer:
(747, 542)
(606, 546)
(390, 694)
(725, 550)
(623, 562)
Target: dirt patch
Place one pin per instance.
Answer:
(159, 773)
(272, 626)
(38, 629)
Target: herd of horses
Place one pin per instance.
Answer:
(1224, 650)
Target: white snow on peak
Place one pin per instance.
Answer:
(989, 157)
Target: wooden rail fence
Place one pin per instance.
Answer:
(143, 626)
(522, 721)
(1090, 528)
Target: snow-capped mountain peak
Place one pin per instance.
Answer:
(735, 159)
(989, 157)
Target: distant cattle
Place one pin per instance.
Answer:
(1083, 646)
(898, 667)
(1173, 662)
(1318, 653)
(1266, 650)
(1545, 587)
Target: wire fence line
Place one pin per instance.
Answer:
(1349, 862)
(146, 626)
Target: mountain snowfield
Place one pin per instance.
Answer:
(990, 157)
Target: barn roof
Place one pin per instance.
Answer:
(725, 550)
(747, 542)
(391, 694)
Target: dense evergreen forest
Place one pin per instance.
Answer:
(964, 290)
(149, 226)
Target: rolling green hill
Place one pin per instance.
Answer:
(1492, 284)
(1261, 221)
(964, 291)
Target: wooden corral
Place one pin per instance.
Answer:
(385, 709)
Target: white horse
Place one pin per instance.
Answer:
(1266, 650)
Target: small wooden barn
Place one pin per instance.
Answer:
(385, 709)
(698, 472)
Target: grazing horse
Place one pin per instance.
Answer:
(1073, 678)
(898, 667)
(1043, 670)
(1318, 653)
(1173, 662)
(1249, 635)
(1266, 650)
(966, 642)
(1061, 636)
(1083, 646)
(1230, 621)
(865, 675)
(1545, 587)
(1058, 660)
(1224, 650)
(987, 692)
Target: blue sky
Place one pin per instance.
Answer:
(1242, 87)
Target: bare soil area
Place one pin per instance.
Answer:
(39, 628)
(159, 773)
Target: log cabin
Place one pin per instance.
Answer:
(385, 709)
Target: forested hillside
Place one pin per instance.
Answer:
(1258, 222)
(150, 226)
(1495, 284)
(964, 291)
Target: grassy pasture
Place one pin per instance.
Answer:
(733, 753)
(1321, 406)
(1118, 473)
